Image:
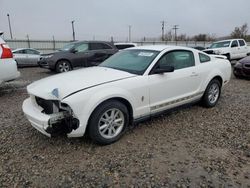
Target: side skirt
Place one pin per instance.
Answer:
(164, 112)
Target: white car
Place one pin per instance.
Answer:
(130, 86)
(232, 48)
(8, 67)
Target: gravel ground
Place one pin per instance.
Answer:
(190, 147)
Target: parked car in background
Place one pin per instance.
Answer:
(78, 54)
(26, 57)
(242, 68)
(125, 45)
(199, 48)
(8, 67)
(130, 86)
(232, 48)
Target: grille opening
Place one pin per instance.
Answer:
(49, 106)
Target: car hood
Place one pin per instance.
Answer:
(62, 85)
(209, 49)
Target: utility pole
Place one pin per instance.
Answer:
(129, 33)
(175, 31)
(73, 30)
(162, 30)
(11, 36)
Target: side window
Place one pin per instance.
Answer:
(82, 47)
(96, 46)
(106, 46)
(242, 43)
(204, 58)
(178, 59)
(234, 43)
(31, 52)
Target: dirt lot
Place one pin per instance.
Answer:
(191, 147)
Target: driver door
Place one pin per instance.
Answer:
(80, 55)
(173, 88)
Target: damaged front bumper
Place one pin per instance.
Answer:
(49, 124)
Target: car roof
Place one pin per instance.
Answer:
(227, 40)
(124, 43)
(17, 49)
(161, 47)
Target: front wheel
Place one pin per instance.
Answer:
(212, 93)
(228, 57)
(108, 122)
(63, 66)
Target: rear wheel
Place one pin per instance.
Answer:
(212, 93)
(108, 122)
(63, 66)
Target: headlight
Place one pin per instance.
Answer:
(47, 56)
(217, 52)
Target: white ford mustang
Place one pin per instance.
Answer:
(129, 86)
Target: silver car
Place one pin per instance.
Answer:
(26, 57)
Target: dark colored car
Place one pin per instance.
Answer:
(242, 68)
(199, 48)
(78, 54)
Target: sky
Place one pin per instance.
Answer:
(101, 19)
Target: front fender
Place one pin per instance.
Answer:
(85, 102)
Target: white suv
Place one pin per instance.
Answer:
(8, 67)
(232, 48)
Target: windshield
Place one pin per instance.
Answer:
(220, 44)
(67, 47)
(132, 61)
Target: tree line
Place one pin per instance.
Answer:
(238, 32)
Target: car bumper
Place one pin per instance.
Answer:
(43, 122)
(243, 70)
(9, 70)
(37, 119)
(43, 64)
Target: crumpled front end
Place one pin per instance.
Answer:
(50, 117)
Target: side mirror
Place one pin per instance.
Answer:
(161, 70)
(73, 50)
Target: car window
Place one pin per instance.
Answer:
(242, 43)
(28, 51)
(222, 44)
(106, 46)
(82, 47)
(234, 43)
(19, 52)
(132, 61)
(204, 58)
(96, 46)
(124, 46)
(178, 59)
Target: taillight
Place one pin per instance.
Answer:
(7, 53)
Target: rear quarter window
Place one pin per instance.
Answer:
(204, 58)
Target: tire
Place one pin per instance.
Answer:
(63, 66)
(212, 94)
(228, 57)
(102, 128)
